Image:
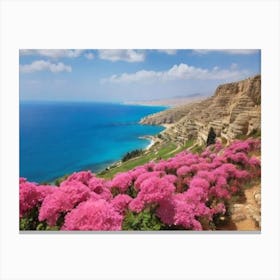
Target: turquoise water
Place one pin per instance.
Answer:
(60, 138)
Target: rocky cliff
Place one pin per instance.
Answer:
(233, 110)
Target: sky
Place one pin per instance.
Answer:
(129, 75)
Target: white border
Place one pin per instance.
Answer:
(156, 24)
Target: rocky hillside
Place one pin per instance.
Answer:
(234, 110)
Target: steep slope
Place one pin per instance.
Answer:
(233, 110)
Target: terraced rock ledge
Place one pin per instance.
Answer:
(233, 111)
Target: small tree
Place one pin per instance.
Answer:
(211, 139)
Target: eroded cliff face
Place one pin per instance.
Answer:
(233, 110)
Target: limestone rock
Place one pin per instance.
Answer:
(233, 110)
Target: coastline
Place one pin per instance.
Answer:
(117, 163)
(112, 160)
(169, 102)
(152, 140)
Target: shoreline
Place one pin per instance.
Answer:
(152, 142)
(169, 103)
(153, 139)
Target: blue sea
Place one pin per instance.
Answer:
(61, 138)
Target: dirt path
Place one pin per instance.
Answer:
(247, 216)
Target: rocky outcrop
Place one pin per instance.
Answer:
(247, 216)
(233, 110)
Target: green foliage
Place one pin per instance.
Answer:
(132, 154)
(30, 221)
(211, 139)
(145, 220)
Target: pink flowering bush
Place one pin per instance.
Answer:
(121, 181)
(188, 191)
(83, 177)
(31, 195)
(93, 215)
(121, 202)
(62, 200)
(153, 190)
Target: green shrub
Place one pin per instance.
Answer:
(132, 154)
(145, 220)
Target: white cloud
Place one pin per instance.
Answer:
(42, 65)
(178, 72)
(227, 51)
(89, 56)
(52, 53)
(122, 55)
(168, 51)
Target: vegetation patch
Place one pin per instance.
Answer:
(132, 154)
(189, 191)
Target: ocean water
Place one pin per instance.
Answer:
(61, 138)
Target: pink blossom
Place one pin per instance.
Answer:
(242, 174)
(183, 171)
(207, 175)
(122, 181)
(220, 192)
(171, 178)
(22, 180)
(238, 158)
(218, 146)
(136, 205)
(100, 187)
(141, 178)
(52, 206)
(121, 202)
(197, 182)
(154, 189)
(195, 194)
(93, 215)
(96, 184)
(31, 195)
(166, 210)
(186, 214)
(137, 171)
(75, 191)
(28, 196)
(254, 162)
(206, 153)
(63, 199)
(82, 176)
(149, 166)
(196, 167)
(178, 211)
(244, 146)
(160, 166)
(45, 190)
